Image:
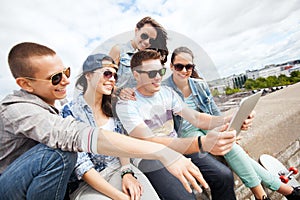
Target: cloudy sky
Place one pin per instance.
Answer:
(235, 35)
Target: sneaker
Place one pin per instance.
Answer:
(295, 194)
(265, 198)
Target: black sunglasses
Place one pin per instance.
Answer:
(108, 74)
(56, 78)
(145, 36)
(179, 67)
(153, 73)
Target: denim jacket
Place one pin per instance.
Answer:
(125, 77)
(80, 110)
(201, 94)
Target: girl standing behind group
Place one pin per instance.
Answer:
(148, 33)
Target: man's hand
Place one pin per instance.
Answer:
(218, 141)
(187, 173)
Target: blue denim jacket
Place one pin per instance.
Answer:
(125, 76)
(80, 110)
(202, 97)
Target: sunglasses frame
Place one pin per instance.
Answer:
(161, 72)
(66, 72)
(107, 74)
(177, 68)
(145, 36)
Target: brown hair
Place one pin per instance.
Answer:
(19, 58)
(141, 56)
(148, 20)
(188, 51)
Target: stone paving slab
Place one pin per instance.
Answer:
(275, 131)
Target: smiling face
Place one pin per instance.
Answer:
(47, 66)
(146, 85)
(184, 59)
(144, 36)
(102, 80)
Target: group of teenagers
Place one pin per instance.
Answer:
(128, 133)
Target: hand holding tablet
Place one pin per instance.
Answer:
(246, 105)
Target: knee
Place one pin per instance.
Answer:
(59, 159)
(223, 175)
(227, 176)
(68, 159)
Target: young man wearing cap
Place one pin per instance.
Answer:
(150, 118)
(36, 144)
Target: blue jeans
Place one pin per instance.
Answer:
(39, 173)
(217, 175)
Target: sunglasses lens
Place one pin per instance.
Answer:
(144, 36)
(178, 67)
(151, 41)
(189, 67)
(56, 78)
(162, 71)
(152, 74)
(67, 72)
(109, 74)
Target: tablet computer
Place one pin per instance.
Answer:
(246, 105)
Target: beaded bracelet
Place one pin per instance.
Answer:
(128, 171)
(200, 144)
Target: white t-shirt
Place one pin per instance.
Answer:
(155, 111)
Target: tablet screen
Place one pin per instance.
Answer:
(246, 105)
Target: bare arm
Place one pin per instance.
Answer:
(203, 120)
(130, 185)
(114, 53)
(217, 141)
(96, 181)
(181, 145)
(111, 143)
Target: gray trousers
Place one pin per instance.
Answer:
(113, 176)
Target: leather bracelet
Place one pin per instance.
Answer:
(127, 171)
(200, 144)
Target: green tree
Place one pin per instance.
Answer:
(272, 81)
(250, 84)
(295, 74)
(261, 82)
(229, 90)
(283, 80)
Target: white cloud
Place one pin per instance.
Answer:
(236, 35)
